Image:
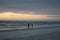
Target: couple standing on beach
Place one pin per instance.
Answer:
(30, 25)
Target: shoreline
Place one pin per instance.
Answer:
(21, 29)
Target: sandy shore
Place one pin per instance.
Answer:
(48, 36)
(32, 34)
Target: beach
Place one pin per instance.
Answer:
(29, 19)
(36, 34)
(18, 30)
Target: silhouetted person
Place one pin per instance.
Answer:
(28, 25)
(32, 25)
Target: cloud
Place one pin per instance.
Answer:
(26, 16)
(36, 6)
(54, 16)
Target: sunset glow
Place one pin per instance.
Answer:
(12, 16)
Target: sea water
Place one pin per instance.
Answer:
(24, 24)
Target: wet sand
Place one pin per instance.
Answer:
(19, 29)
(49, 36)
(32, 34)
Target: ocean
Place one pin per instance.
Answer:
(16, 24)
(37, 34)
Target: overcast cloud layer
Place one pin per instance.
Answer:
(37, 6)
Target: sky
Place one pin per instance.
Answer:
(29, 9)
